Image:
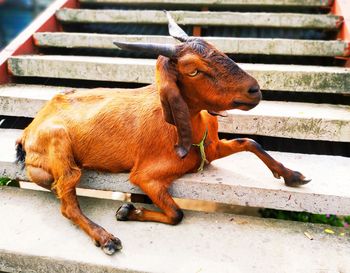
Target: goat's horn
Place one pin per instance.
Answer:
(174, 29)
(158, 49)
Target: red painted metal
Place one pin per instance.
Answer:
(24, 43)
(342, 8)
(197, 30)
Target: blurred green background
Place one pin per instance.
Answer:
(15, 15)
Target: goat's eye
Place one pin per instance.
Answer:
(194, 73)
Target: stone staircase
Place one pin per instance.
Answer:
(289, 46)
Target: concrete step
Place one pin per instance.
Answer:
(240, 179)
(214, 3)
(36, 238)
(228, 45)
(269, 118)
(207, 18)
(297, 78)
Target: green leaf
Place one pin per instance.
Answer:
(332, 220)
(5, 181)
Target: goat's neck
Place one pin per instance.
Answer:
(199, 126)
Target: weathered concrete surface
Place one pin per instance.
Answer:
(209, 18)
(290, 47)
(270, 76)
(36, 238)
(26, 100)
(240, 179)
(291, 120)
(219, 3)
(269, 118)
(93, 68)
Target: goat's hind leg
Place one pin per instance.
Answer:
(66, 176)
(291, 178)
(66, 191)
(35, 167)
(40, 177)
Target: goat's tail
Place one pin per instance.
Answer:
(20, 154)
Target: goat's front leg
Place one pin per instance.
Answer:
(171, 213)
(291, 178)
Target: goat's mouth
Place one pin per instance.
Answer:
(244, 105)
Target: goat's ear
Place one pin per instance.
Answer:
(175, 109)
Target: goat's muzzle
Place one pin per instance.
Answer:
(251, 99)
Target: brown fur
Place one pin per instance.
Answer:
(117, 130)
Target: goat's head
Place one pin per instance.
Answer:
(193, 76)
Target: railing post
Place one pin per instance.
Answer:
(342, 8)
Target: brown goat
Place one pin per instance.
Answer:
(117, 130)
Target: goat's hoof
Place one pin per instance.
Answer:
(295, 179)
(124, 211)
(276, 175)
(181, 151)
(111, 246)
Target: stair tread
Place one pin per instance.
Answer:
(293, 47)
(239, 179)
(37, 238)
(271, 118)
(209, 18)
(299, 78)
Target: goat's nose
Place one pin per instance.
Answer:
(254, 89)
